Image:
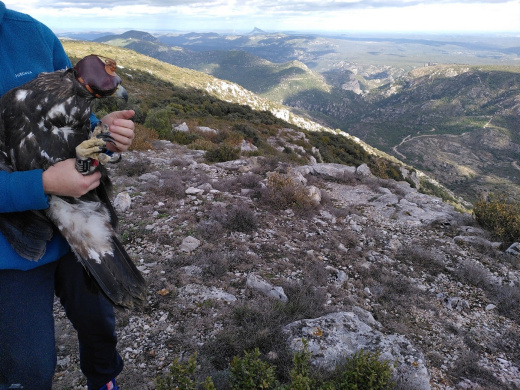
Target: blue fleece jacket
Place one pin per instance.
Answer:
(27, 48)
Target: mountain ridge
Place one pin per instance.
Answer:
(233, 93)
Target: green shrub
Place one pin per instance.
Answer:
(300, 373)
(182, 376)
(336, 148)
(429, 188)
(159, 120)
(224, 152)
(384, 169)
(182, 137)
(364, 371)
(250, 372)
(499, 215)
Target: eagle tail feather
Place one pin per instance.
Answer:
(118, 277)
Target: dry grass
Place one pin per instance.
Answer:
(143, 138)
(282, 192)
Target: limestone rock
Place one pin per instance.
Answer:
(247, 147)
(123, 202)
(189, 244)
(257, 283)
(199, 293)
(182, 127)
(334, 337)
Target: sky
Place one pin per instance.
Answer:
(396, 16)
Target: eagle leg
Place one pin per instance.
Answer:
(96, 146)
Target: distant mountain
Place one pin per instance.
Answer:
(129, 35)
(83, 36)
(275, 81)
(257, 31)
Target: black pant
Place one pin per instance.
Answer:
(27, 342)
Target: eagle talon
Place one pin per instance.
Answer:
(94, 148)
(107, 137)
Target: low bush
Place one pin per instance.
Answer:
(361, 371)
(240, 218)
(282, 192)
(133, 169)
(364, 371)
(250, 372)
(172, 185)
(224, 152)
(499, 215)
(143, 138)
(182, 376)
(423, 257)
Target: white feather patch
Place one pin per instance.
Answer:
(63, 132)
(84, 225)
(57, 110)
(21, 95)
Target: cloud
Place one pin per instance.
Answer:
(286, 6)
(331, 15)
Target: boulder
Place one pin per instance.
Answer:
(334, 337)
(182, 127)
(246, 146)
(123, 202)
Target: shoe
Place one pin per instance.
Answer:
(110, 386)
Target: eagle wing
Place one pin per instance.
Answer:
(29, 231)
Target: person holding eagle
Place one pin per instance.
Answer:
(27, 288)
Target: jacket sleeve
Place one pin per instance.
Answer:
(21, 191)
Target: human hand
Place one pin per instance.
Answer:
(63, 179)
(121, 128)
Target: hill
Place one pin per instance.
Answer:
(238, 256)
(273, 81)
(165, 94)
(458, 123)
(419, 114)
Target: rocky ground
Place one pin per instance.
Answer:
(361, 261)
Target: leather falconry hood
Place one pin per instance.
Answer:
(99, 76)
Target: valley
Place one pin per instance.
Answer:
(446, 105)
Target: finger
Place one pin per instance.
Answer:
(124, 114)
(127, 114)
(122, 139)
(95, 179)
(123, 127)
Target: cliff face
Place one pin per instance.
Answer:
(255, 253)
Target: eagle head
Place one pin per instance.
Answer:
(99, 76)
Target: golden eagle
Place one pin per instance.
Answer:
(48, 120)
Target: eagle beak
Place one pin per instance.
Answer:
(121, 93)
